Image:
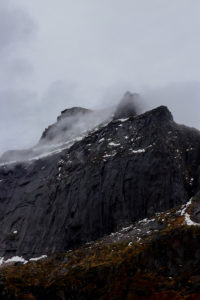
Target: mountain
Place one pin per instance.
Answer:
(97, 185)
(117, 174)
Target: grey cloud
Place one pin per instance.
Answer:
(16, 29)
(15, 25)
(18, 69)
(18, 119)
(182, 98)
(17, 102)
(60, 94)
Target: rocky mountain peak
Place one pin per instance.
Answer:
(127, 106)
(162, 113)
(68, 118)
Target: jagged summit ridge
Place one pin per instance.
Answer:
(73, 123)
(162, 113)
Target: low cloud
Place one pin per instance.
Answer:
(16, 26)
(182, 98)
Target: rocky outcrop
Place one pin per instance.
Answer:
(121, 172)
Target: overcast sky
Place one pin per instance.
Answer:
(56, 54)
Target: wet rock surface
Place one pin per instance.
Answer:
(119, 173)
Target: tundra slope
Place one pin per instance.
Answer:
(120, 173)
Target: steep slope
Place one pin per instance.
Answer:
(155, 258)
(119, 173)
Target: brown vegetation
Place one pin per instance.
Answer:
(165, 266)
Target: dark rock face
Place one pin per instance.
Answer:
(118, 174)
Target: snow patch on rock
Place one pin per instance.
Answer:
(183, 212)
(13, 259)
(113, 144)
(123, 120)
(19, 259)
(38, 258)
